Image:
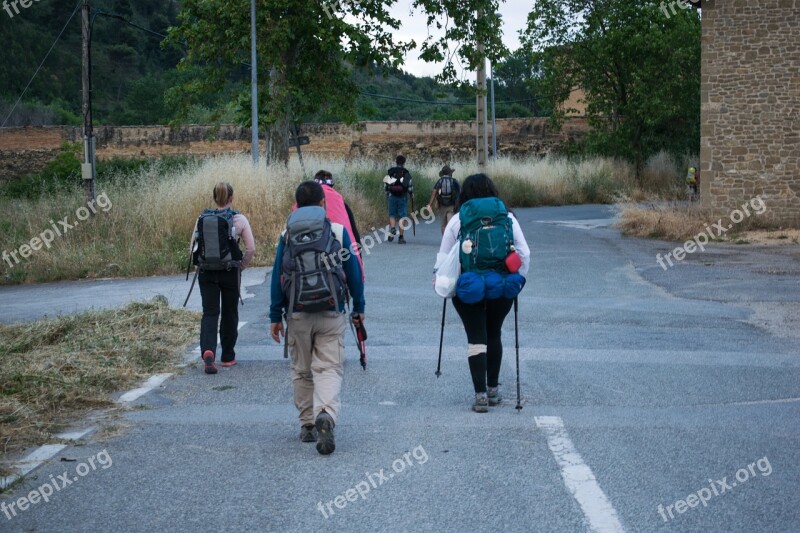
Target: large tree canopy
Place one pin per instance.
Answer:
(639, 68)
(306, 51)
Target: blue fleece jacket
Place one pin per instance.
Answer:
(351, 269)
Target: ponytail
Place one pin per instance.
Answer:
(223, 193)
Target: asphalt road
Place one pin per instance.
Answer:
(641, 388)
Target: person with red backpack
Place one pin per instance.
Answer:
(445, 194)
(494, 259)
(398, 186)
(314, 272)
(219, 260)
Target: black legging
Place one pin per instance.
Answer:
(216, 286)
(483, 323)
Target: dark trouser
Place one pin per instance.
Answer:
(216, 285)
(483, 323)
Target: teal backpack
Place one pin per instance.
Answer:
(486, 235)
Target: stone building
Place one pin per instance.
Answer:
(750, 120)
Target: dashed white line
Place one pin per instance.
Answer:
(578, 477)
(150, 384)
(39, 456)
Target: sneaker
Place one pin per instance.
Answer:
(208, 362)
(308, 433)
(494, 396)
(390, 238)
(325, 441)
(401, 240)
(227, 364)
(481, 404)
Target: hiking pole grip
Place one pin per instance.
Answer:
(516, 346)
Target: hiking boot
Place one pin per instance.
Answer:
(391, 236)
(494, 396)
(208, 362)
(401, 240)
(325, 441)
(228, 364)
(481, 404)
(308, 433)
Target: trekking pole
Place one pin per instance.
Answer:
(441, 340)
(516, 345)
(192, 287)
(413, 212)
(286, 339)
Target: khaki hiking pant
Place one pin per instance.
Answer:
(316, 344)
(445, 214)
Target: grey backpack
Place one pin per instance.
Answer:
(312, 277)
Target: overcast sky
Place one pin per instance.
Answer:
(515, 16)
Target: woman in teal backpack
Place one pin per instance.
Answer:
(494, 261)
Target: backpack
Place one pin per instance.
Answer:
(486, 236)
(312, 276)
(447, 191)
(215, 241)
(399, 186)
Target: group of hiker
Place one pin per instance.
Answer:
(318, 272)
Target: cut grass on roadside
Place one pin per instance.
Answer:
(52, 371)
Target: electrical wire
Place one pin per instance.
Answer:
(40, 65)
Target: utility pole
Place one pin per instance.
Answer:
(88, 169)
(482, 140)
(494, 116)
(254, 83)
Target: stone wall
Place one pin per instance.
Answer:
(751, 105)
(27, 150)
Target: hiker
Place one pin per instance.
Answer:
(491, 278)
(314, 268)
(215, 251)
(692, 182)
(397, 186)
(445, 194)
(338, 211)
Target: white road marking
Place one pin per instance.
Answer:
(578, 477)
(150, 384)
(40, 455)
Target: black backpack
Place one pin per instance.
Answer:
(399, 187)
(215, 241)
(312, 277)
(448, 191)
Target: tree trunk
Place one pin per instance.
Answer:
(278, 129)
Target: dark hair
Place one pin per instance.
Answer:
(401, 160)
(323, 175)
(476, 186)
(309, 193)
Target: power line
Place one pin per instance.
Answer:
(40, 65)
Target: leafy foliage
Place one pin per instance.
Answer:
(640, 70)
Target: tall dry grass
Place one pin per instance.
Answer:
(147, 230)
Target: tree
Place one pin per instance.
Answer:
(640, 70)
(307, 51)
